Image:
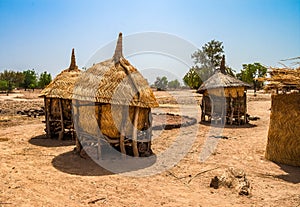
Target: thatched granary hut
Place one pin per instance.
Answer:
(284, 132)
(112, 107)
(58, 101)
(224, 98)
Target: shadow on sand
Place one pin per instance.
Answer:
(72, 163)
(248, 125)
(293, 173)
(43, 141)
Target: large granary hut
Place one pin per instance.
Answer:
(58, 101)
(224, 98)
(284, 130)
(112, 107)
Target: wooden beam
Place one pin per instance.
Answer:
(61, 134)
(125, 110)
(232, 110)
(134, 132)
(47, 117)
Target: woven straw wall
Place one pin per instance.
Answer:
(227, 92)
(107, 119)
(284, 131)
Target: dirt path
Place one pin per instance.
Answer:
(43, 172)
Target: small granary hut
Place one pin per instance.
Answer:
(284, 130)
(224, 98)
(112, 107)
(58, 101)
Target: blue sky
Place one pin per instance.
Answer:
(40, 34)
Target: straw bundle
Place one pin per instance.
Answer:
(283, 78)
(284, 132)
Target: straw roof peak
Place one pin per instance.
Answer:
(73, 65)
(119, 49)
(62, 85)
(223, 67)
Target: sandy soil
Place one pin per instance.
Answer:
(44, 172)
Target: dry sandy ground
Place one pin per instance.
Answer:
(43, 172)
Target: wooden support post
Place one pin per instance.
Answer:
(99, 125)
(47, 117)
(149, 131)
(212, 109)
(203, 109)
(245, 107)
(238, 108)
(76, 123)
(61, 133)
(134, 132)
(232, 110)
(125, 110)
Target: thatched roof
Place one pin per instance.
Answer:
(220, 80)
(115, 81)
(283, 78)
(62, 85)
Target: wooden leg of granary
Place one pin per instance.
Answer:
(47, 118)
(134, 133)
(245, 107)
(61, 133)
(232, 110)
(123, 126)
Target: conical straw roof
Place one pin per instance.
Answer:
(62, 85)
(221, 80)
(115, 81)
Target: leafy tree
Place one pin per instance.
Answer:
(12, 79)
(3, 85)
(206, 60)
(44, 79)
(161, 83)
(252, 71)
(174, 84)
(211, 54)
(30, 79)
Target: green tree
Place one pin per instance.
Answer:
(206, 61)
(211, 54)
(3, 85)
(44, 79)
(161, 83)
(252, 71)
(10, 79)
(30, 79)
(174, 84)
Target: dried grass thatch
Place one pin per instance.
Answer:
(284, 132)
(282, 78)
(63, 84)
